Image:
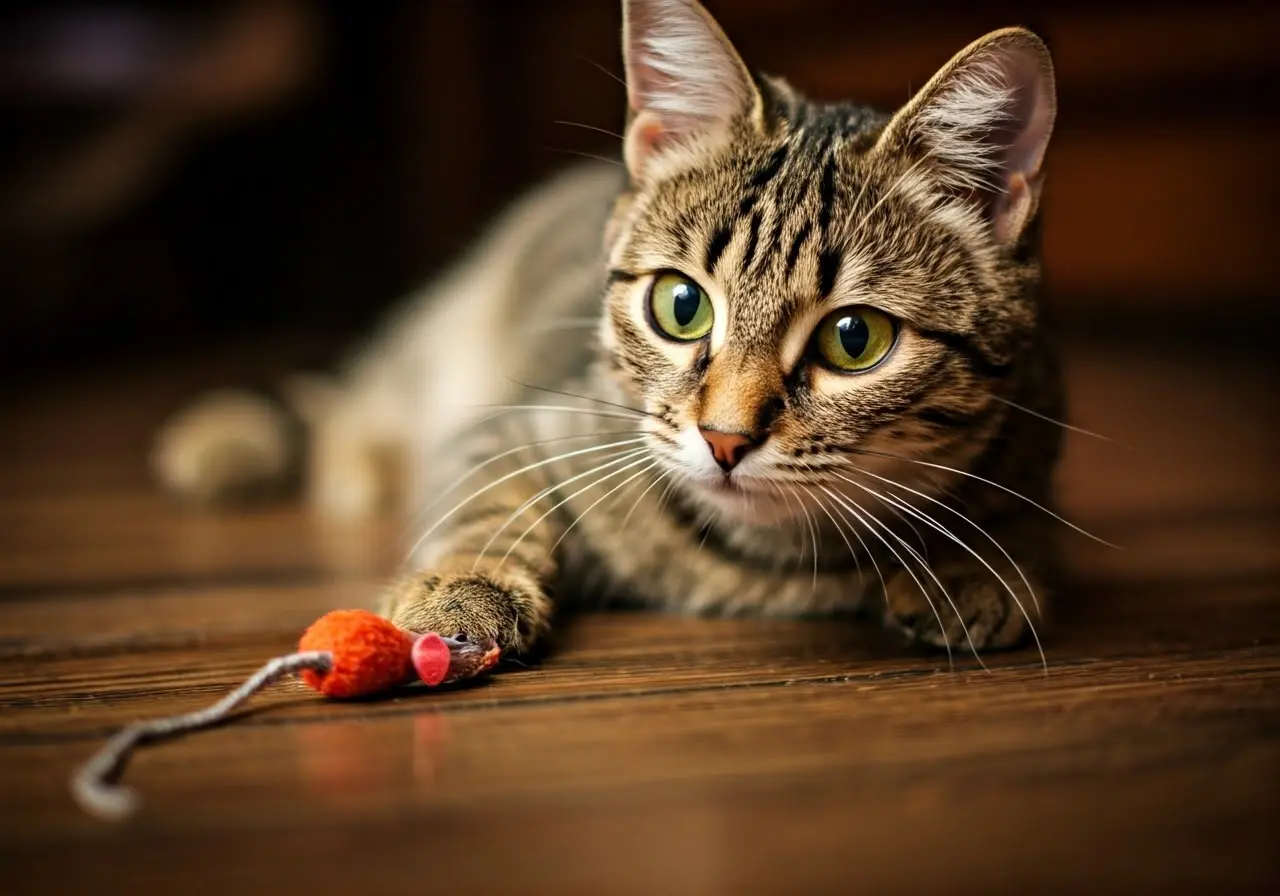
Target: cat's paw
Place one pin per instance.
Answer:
(509, 609)
(985, 616)
(228, 446)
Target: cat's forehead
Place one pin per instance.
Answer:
(803, 218)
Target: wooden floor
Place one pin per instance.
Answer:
(652, 754)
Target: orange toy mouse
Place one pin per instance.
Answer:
(344, 654)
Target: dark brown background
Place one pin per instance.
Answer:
(335, 154)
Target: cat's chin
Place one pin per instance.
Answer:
(745, 501)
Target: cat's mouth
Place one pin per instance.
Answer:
(727, 483)
(731, 484)
(726, 491)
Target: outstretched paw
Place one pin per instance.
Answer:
(508, 611)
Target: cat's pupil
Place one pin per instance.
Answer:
(854, 335)
(685, 300)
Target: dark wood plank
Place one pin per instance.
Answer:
(1154, 775)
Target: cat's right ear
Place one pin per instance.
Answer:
(685, 83)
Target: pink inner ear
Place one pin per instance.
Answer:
(1031, 119)
(987, 125)
(644, 137)
(1022, 142)
(684, 79)
(1010, 210)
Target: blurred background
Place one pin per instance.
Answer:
(179, 178)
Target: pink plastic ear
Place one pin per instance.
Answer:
(431, 658)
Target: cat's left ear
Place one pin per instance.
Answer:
(981, 126)
(686, 83)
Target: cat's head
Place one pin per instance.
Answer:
(798, 286)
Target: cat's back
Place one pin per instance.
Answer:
(521, 306)
(518, 306)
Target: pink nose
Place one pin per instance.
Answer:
(728, 448)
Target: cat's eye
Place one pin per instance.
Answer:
(853, 340)
(679, 308)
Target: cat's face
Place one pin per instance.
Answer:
(799, 291)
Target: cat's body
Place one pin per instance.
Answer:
(690, 326)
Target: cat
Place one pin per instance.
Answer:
(789, 358)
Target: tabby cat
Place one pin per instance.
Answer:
(790, 358)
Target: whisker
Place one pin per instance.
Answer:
(565, 501)
(484, 463)
(666, 494)
(813, 534)
(884, 588)
(653, 463)
(566, 323)
(990, 482)
(559, 409)
(925, 518)
(550, 489)
(991, 538)
(924, 547)
(711, 520)
(929, 571)
(591, 398)
(585, 155)
(862, 516)
(624, 494)
(790, 533)
(661, 476)
(834, 522)
(597, 65)
(589, 127)
(1046, 418)
(871, 556)
(509, 476)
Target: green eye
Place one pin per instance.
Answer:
(679, 309)
(852, 340)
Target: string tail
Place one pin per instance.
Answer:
(94, 784)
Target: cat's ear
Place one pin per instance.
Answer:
(685, 82)
(981, 126)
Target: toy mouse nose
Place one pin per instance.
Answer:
(728, 448)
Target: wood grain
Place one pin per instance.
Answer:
(650, 753)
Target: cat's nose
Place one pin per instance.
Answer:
(728, 448)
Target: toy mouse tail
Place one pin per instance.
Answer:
(94, 783)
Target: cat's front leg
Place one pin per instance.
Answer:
(980, 606)
(491, 574)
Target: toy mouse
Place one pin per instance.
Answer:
(344, 654)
